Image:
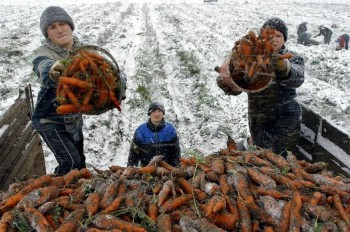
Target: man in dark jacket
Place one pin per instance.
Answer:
(274, 115)
(153, 138)
(62, 134)
(342, 42)
(327, 34)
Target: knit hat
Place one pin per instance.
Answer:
(154, 106)
(54, 14)
(279, 25)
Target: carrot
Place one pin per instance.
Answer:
(152, 211)
(260, 213)
(92, 204)
(224, 186)
(147, 170)
(218, 166)
(114, 100)
(252, 69)
(164, 223)
(175, 203)
(240, 183)
(114, 205)
(210, 206)
(51, 220)
(70, 81)
(38, 197)
(330, 190)
(37, 220)
(122, 188)
(279, 161)
(46, 207)
(283, 224)
(65, 202)
(109, 222)
(231, 205)
(285, 56)
(71, 108)
(219, 205)
(292, 160)
(160, 171)
(93, 65)
(338, 205)
(261, 178)
(6, 219)
(71, 96)
(185, 185)
(295, 215)
(166, 165)
(224, 220)
(255, 160)
(200, 195)
(320, 212)
(244, 215)
(271, 192)
(109, 195)
(88, 97)
(166, 190)
(316, 198)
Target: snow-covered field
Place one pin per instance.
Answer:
(169, 49)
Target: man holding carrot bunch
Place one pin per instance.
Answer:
(274, 114)
(62, 133)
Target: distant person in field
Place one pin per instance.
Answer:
(273, 113)
(62, 133)
(153, 138)
(304, 37)
(327, 34)
(342, 42)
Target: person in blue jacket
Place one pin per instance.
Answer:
(274, 114)
(153, 138)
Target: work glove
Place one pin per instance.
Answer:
(56, 70)
(280, 66)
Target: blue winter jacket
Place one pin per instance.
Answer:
(150, 140)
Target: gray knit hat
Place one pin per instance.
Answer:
(154, 106)
(54, 14)
(279, 25)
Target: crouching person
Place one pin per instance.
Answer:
(62, 133)
(153, 138)
(342, 42)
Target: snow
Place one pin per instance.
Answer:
(171, 48)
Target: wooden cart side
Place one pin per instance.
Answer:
(21, 153)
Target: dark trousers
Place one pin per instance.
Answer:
(280, 134)
(68, 149)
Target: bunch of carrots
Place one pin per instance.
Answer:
(88, 85)
(226, 191)
(252, 54)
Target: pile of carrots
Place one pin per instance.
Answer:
(89, 84)
(226, 191)
(251, 55)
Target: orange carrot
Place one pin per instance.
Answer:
(224, 186)
(37, 220)
(166, 165)
(218, 166)
(255, 160)
(147, 169)
(185, 185)
(338, 205)
(220, 204)
(70, 81)
(88, 97)
(114, 100)
(92, 203)
(71, 108)
(283, 224)
(240, 183)
(164, 193)
(114, 205)
(109, 195)
(295, 215)
(109, 222)
(279, 161)
(200, 195)
(164, 223)
(153, 211)
(316, 197)
(261, 178)
(71, 96)
(38, 197)
(244, 215)
(271, 192)
(175, 203)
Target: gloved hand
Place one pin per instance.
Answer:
(56, 70)
(227, 90)
(280, 66)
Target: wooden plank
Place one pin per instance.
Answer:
(30, 164)
(12, 113)
(338, 137)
